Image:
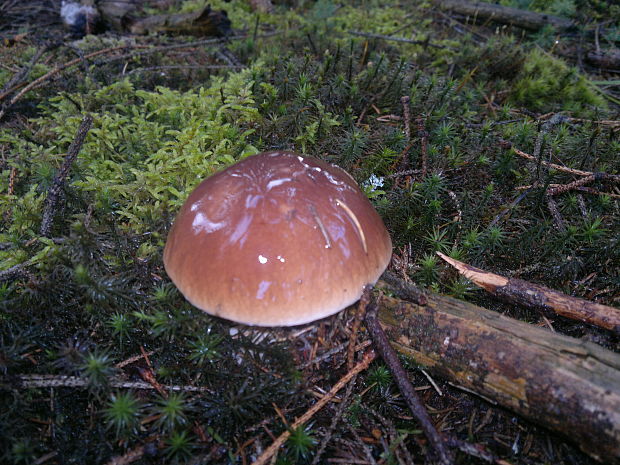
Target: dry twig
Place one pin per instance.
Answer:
(17, 80)
(53, 195)
(564, 169)
(358, 317)
(135, 454)
(536, 296)
(39, 81)
(555, 213)
(271, 450)
(425, 43)
(406, 116)
(388, 354)
(335, 419)
(52, 381)
(587, 190)
(423, 135)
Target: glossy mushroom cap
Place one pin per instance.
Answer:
(277, 239)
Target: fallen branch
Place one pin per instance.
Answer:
(425, 43)
(382, 344)
(607, 59)
(602, 122)
(587, 190)
(503, 14)
(53, 195)
(272, 449)
(567, 385)
(16, 271)
(18, 79)
(423, 135)
(181, 67)
(573, 185)
(39, 81)
(564, 169)
(55, 381)
(540, 297)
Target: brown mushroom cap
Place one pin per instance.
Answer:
(277, 239)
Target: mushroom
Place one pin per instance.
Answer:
(278, 239)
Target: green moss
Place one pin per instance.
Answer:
(546, 83)
(146, 150)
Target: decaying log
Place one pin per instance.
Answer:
(123, 15)
(503, 14)
(204, 22)
(565, 384)
(606, 59)
(540, 297)
(261, 6)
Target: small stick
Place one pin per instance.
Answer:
(536, 296)
(587, 190)
(16, 271)
(401, 161)
(17, 80)
(582, 205)
(365, 448)
(271, 450)
(426, 43)
(53, 194)
(405, 290)
(359, 315)
(39, 81)
(163, 68)
(395, 437)
(329, 353)
(432, 381)
(476, 450)
(388, 354)
(52, 381)
(147, 375)
(45, 457)
(12, 178)
(512, 205)
(177, 46)
(398, 174)
(135, 454)
(335, 419)
(605, 176)
(423, 144)
(572, 185)
(406, 116)
(555, 213)
(135, 358)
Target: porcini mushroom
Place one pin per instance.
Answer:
(278, 239)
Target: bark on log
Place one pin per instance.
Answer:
(503, 14)
(606, 59)
(567, 385)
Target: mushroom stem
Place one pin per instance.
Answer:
(388, 354)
